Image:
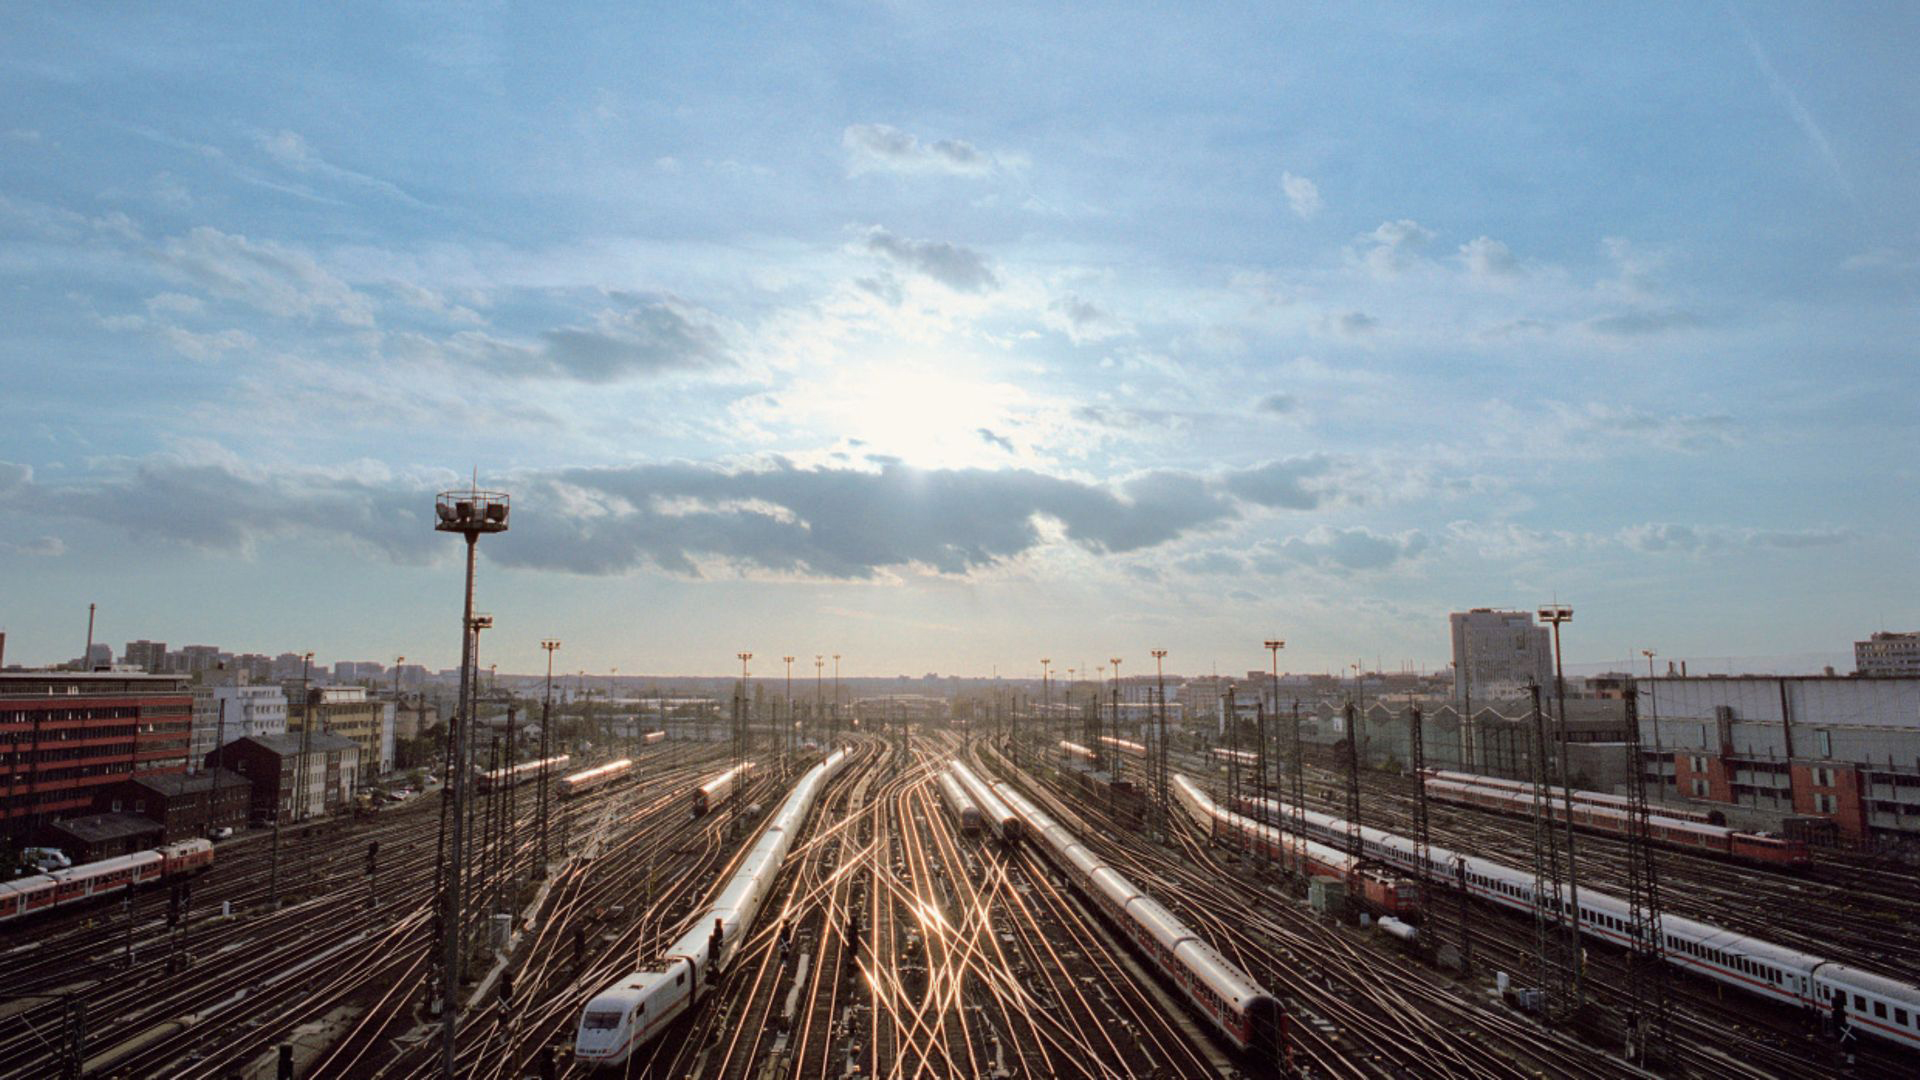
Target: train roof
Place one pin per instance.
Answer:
(1859, 979)
(1226, 980)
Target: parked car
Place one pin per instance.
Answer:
(219, 832)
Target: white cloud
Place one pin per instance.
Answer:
(1084, 321)
(1487, 259)
(278, 280)
(1302, 195)
(1394, 246)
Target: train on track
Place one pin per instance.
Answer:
(714, 793)
(513, 775)
(1246, 759)
(60, 888)
(1873, 1004)
(639, 1006)
(1597, 798)
(964, 809)
(599, 776)
(652, 737)
(1125, 747)
(995, 814)
(1382, 889)
(1251, 1019)
(1672, 832)
(1073, 751)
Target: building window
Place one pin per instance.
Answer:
(1697, 763)
(1825, 741)
(1699, 787)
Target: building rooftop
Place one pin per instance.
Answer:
(318, 742)
(49, 683)
(174, 784)
(99, 828)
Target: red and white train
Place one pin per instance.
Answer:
(1239, 1008)
(1077, 752)
(1595, 817)
(28, 895)
(599, 776)
(1379, 888)
(714, 793)
(1597, 798)
(1874, 1004)
(511, 775)
(1134, 750)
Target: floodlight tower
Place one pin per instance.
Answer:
(1046, 697)
(836, 696)
(546, 748)
(1555, 614)
(470, 513)
(1160, 747)
(1119, 761)
(740, 714)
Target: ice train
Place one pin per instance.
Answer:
(622, 1017)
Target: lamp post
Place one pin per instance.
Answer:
(546, 747)
(1274, 645)
(783, 742)
(1119, 762)
(1160, 747)
(469, 513)
(740, 714)
(819, 698)
(1555, 614)
(836, 697)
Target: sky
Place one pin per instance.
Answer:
(949, 338)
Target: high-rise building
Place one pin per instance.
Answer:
(99, 655)
(151, 655)
(1496, 653)
(66, 734)
(1886, 654)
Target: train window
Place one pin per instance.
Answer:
(1859, 1003)
(601, 1021)
(1900, 1017)
(1880, 1009)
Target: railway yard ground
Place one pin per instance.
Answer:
(891, 944)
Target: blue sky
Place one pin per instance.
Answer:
(951, 339)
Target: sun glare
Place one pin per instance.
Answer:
(926, 418)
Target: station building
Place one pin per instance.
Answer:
(67, 735)
(1844, 750)
(185, 806)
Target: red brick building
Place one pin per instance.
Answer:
(184, 805)
(66, 735)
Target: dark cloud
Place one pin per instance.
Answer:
(960, 269)
(1278, 404)
(883, 148)
(993, 438)
(641, 336)
(1356, 323)
(781, 518)
(1286, 484)
(1356, 548)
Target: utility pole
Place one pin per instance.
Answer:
(1273, 646)
(836, 697)
(1548, 945)
(1119, 759)
(546, 748)
(1299, 793)
(1160, 742)
(1046, 697)
(1353, 782)
(784, 763)
(1647, 1020)
(819, 663)
(1557, 614)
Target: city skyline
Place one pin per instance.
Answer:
(964, 340)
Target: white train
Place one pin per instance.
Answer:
(1874, 1004)
(598, 776)
(622, 1017)
(957, 801)
(1124, 746)
(1250, 1018)
(652, 737)
(993, 812)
